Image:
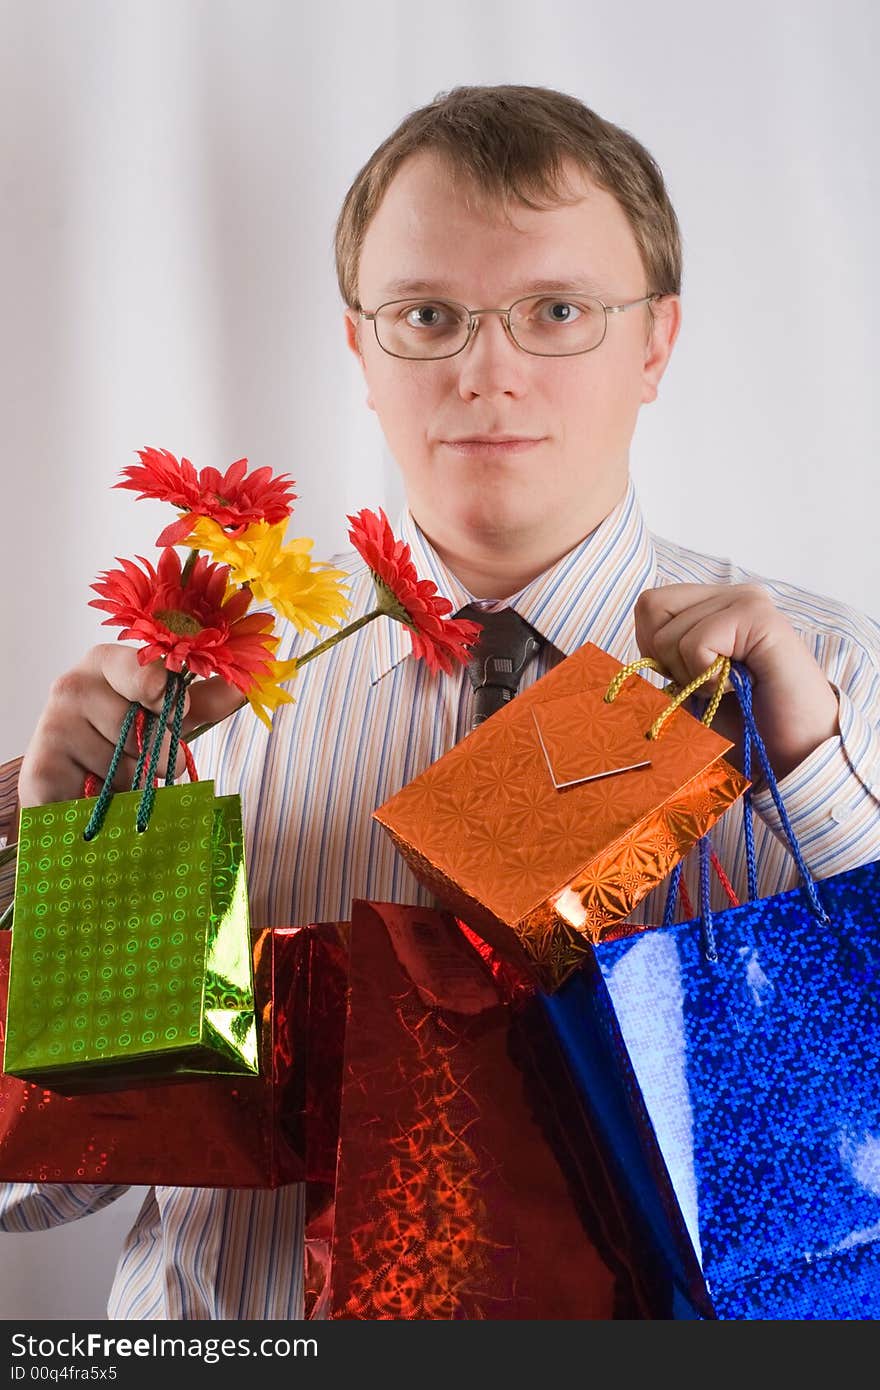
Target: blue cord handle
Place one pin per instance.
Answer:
(742, 686)
(706, 923)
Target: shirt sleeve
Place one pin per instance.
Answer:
(8, 826)
(30, 1206)
(832, 798)
(9, 773)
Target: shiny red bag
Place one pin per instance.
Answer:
(468, 1182)
(262, 1131)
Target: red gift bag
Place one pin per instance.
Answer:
(468, 1181)
(261, 1131)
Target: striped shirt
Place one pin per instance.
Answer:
(367, 719)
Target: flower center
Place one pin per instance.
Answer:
(180, 623)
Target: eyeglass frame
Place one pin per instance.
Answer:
(473, 325)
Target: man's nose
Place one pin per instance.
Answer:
(491, 364)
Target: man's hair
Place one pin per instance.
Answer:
(509, 143)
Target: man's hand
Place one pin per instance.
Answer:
(686, 626)
(78, 729)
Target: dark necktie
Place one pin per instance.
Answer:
(504, 649)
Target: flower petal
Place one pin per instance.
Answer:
(439, 640)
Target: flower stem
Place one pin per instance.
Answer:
(188, 568)
(300, 661)
(337, 637)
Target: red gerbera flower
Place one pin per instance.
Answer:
(231, 499)
(193, 623)
(412, 601)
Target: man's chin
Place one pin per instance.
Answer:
(495, 518)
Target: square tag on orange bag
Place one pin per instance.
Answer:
(549, 822)
(608, 740)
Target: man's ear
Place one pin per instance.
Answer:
(352, 323)
(352, 326)
(665, 323)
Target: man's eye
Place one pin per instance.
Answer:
(428, 316)
(558, 311)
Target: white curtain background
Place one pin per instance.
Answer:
(171, 172)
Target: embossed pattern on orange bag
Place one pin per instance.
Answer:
(540, 869)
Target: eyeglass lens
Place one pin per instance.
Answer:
(551, 326)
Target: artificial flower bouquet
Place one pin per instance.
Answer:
(131, 954)
(195, 617)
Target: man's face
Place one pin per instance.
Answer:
(578, 413)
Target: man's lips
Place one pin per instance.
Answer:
(487, 444)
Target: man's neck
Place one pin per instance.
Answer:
(500, 566)
(495, 577)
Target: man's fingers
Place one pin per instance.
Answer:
(682, 653)
(663, 640)
(53, 765)
(82, 721)
(703, 643)
(655, 607)
(80, 725)
(120, 668)
(84, 698)
(732, 620)
(210, 701)
(122, 778)
(52, 772)
(82, 701)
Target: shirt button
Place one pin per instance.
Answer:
(840, 813)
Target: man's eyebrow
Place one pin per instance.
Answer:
(441, 287)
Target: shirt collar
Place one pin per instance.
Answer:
(587, 596)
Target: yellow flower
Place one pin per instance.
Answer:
(307, 592)
(266, 694)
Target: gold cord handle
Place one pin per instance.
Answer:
(720, 668)
(643, 663)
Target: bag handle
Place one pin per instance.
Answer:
(143, 724)
(718, 671)
(175, 690)
(708, 858)
(720, 668)
(678, 890)
(144, 721)
(741, 682)
(742, 685)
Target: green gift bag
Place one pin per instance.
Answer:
(131, 951)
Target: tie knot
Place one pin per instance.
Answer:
(503, 649)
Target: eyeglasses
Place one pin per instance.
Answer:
(562, 325)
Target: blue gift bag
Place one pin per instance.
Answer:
(733, 1065)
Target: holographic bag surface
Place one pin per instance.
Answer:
(545, 826)
(214, 1131)
(734, 1065)
(131, 950)
(469, 1184)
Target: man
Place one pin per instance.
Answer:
(510, 266)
